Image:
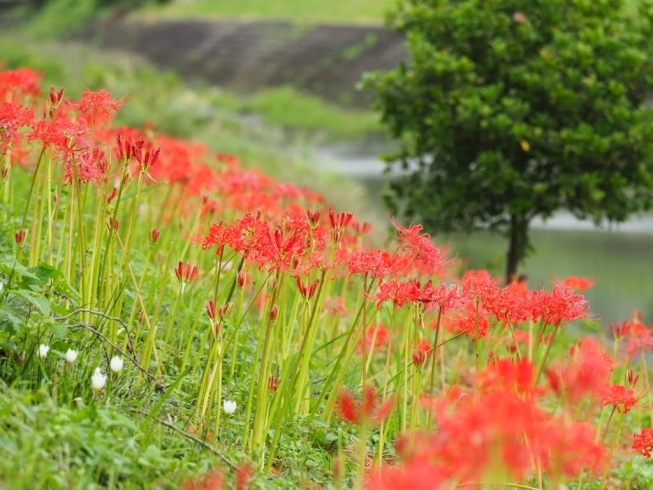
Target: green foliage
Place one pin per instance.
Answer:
(58, 17)
(512, 109)
(82, 446)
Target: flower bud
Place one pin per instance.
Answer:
(98, 380)
(419, 357)
(273, 384)
(154, 235)
(274, 313)
(116, 364)
(112, 196)
(21, 235)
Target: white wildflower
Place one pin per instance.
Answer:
(116, 364)
(43, 350)
(229, 407)
(98, 380)
(71, 355)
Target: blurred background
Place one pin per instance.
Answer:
(277, 82)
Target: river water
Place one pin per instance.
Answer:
(619, 257)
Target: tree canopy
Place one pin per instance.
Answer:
(513, 109)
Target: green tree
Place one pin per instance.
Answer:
(512, 109)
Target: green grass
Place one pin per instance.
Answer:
(292, 109)
(302, 11)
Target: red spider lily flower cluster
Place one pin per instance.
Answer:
(516, 437)
(22, 83)
(643, 442)
(367, 411)
(622, 398)
(282, 230)
(585, 374)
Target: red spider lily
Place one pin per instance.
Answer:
(417, 474)
(212, 311)
(186, 272)
(307, 290)
(244, 477)
(14, 118)
(367, 411)
(16, 84)
(578, 283)
(621, 397)
(375, 339)
(65, 135)
(471, 319)
(444, 296)
(399, 292)
(147, 158)
(639, 336)
(56, 97)
(643, 442)
(421, 248)
(96, 108)
(125, 149)
(339, 222)
(88, 166)
(515, 436)
(213, 480)
(509, 305)
(281, 249)
(586, 374)
(560, 306)
(313, 217)
(510, 375)
(217, 236)
(216, 315)
(631, 378)
(480, 285)
(377, 263)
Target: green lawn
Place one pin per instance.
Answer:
(311, 11)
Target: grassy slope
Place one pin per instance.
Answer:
(311, 11)
(280, 143)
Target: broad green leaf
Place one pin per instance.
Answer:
(39, 301)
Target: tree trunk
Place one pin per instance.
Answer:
(518, 246)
